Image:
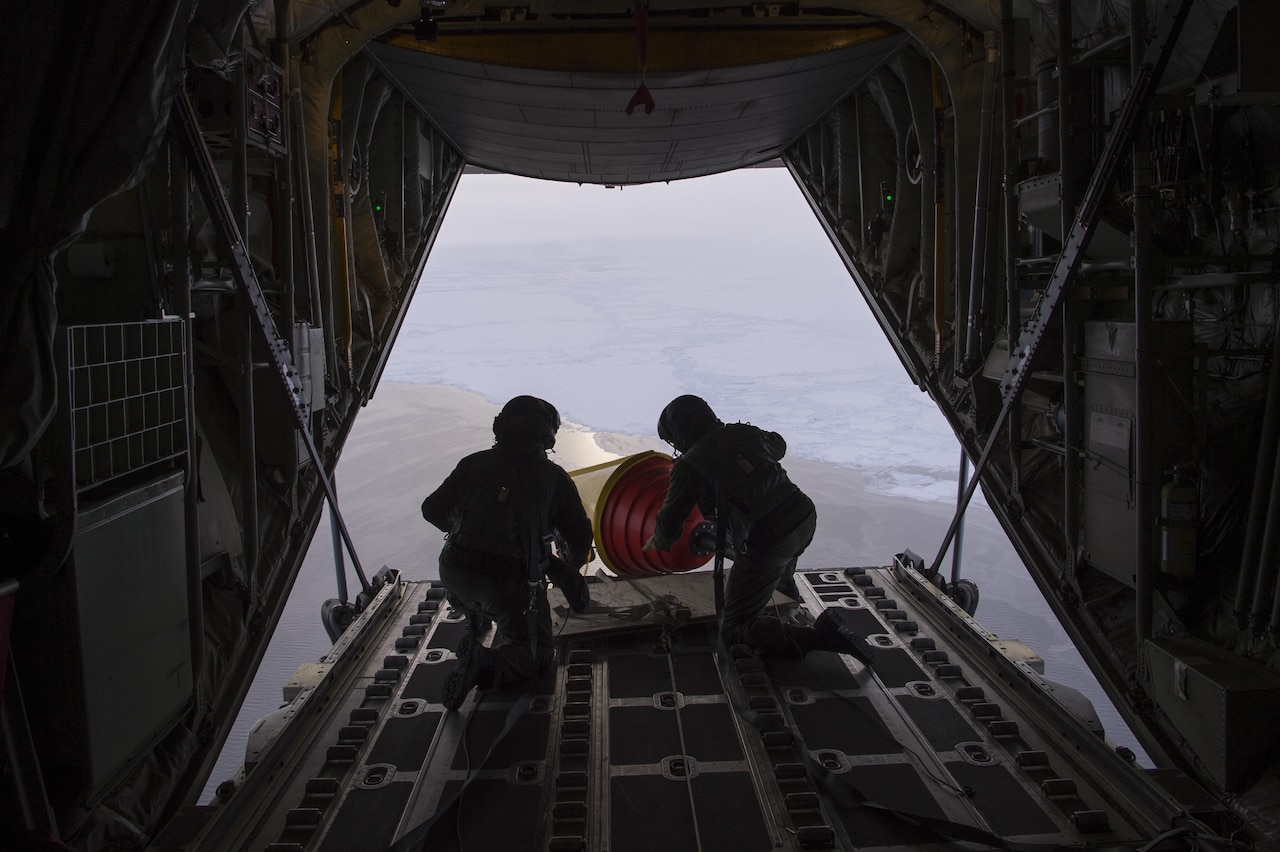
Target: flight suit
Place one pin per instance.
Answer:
(733, 473)
(495, 507)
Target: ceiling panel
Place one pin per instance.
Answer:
(573, 126)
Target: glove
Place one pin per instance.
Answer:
(571, 584)
(649, 545)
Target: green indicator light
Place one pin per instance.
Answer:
(888, 196)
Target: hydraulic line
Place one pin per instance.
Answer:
(939, 217)
(1068, 180)
(1146, 484)
(1267, 564)
(981, 213)
(180, 287)
(285, 239)
(342, 280)
(1259, 497)
(1013, 297)
(298, 147)
(240, 216)
(1144, 476)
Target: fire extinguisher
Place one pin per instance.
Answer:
(1179, 512)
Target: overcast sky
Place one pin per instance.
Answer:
(747, 209)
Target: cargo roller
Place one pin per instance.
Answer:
(622, 497)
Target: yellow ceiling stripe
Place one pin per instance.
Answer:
(614, 51)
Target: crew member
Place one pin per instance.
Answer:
(498, 508)
(733, 473)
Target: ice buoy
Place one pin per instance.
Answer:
(622, 497)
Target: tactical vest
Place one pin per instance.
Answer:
(752, 483)
(500, 503)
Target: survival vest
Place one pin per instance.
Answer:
(491, 516)
(738, 459)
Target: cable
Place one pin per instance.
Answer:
(1201, 831)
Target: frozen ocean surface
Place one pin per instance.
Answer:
(620, 300)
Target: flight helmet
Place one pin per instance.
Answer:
(686, 419)
(528, 417)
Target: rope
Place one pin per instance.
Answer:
(684, 750)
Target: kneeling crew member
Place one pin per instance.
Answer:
(769, 522)
(496, 507)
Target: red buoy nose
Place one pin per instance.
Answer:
(622, 497)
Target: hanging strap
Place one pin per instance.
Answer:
(684, 748)
(529, 516)
(717, 574)
(642, 97)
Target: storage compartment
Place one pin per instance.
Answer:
(1223, 705)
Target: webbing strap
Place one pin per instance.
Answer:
(717, 577)
(722, 523)
(529, 517)
(684, 749)
(417, 836)
(661, 610)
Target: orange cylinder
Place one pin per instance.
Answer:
(622, 497)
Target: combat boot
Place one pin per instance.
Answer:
(571, 584)
(830, 633)
(474, 669)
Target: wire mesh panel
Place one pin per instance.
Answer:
(127, 403)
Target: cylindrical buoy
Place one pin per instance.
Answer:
(622, 497)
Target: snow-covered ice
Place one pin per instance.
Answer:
(615, 302)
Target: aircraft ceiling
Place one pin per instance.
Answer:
(573, 125)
